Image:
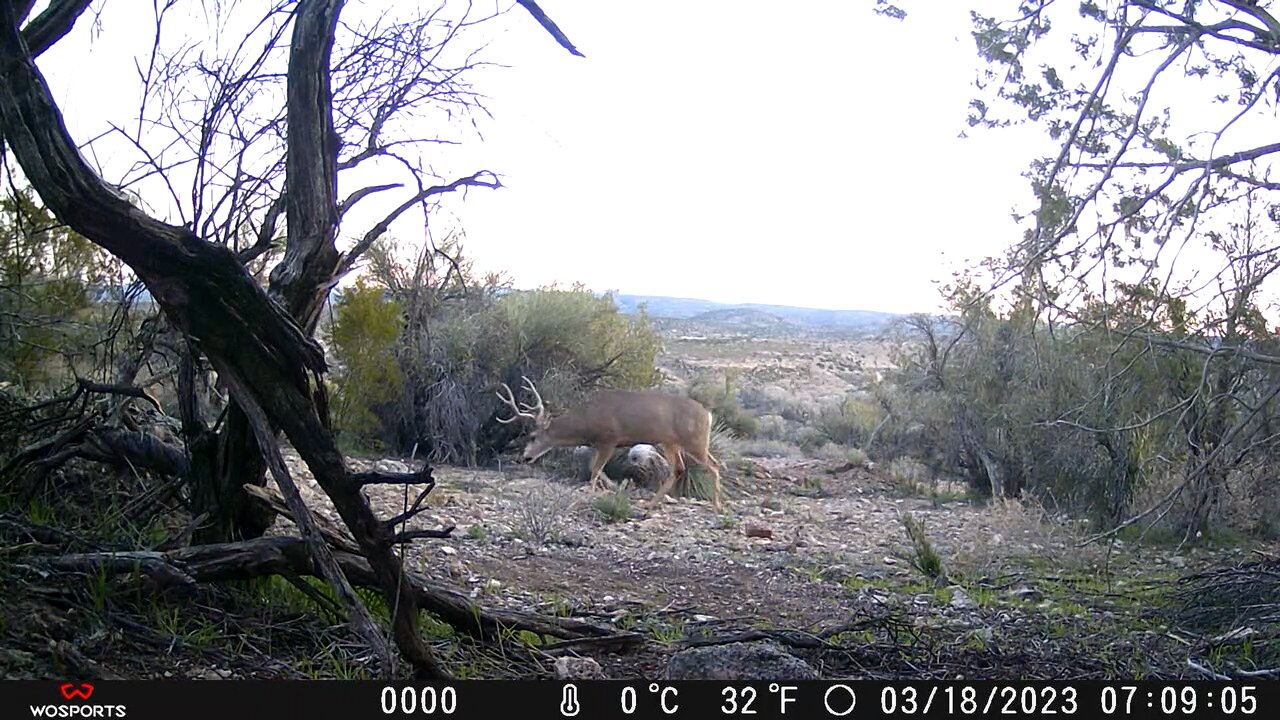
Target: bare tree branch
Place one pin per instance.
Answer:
(51, 25)
(549, 25)
(484, 178)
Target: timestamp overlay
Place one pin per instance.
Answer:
(246, 700)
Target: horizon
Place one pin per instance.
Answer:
(746, 304)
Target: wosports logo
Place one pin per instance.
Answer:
(75, 704)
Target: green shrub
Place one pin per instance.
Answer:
(924, 557)
(47, 275)
(578, 330)
(771, 427)
(720, 397)
(363, 337)
(850, 422)
(613, 506)
(810, 439)
(767, 449)
(464, 335)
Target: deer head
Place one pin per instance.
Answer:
(539, 443)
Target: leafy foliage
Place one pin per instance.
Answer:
(462, 335)
(722, 399)
(1088, 416)
(364, 336)
(48, 278)
(1118, 356)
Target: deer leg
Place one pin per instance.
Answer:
(672, 456)
(707, 459)
(602, 455)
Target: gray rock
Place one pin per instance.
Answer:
(763, 660)
(390, 466)
(834, 573)
(578, 668)
(960, 599)
(1026, 593)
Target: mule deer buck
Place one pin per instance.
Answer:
(611, 418)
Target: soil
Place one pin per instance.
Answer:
(801, 546)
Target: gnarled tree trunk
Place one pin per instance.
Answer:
(266, 356)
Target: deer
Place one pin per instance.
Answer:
(612, 418)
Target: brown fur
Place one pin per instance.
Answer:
(614, 418)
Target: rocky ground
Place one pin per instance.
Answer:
(808, 571)
(810, 555)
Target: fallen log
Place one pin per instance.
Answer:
(287, 555)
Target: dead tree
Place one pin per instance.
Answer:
(258, 342)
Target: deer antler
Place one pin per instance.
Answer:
(534, 412)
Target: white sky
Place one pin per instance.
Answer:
(738, 151)
(804, 154)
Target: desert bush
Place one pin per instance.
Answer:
(363, 337)
(1085, 414)
(778, 401)
(756, 447)
(828, 451)
(463, 335)
(577, 329)
(770, 427)
(810, 438)
(721, 397)
(908, 474)
(50, 281)
(542, 514)
(857, 457)
(850, 422)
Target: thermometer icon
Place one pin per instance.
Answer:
(569, 701)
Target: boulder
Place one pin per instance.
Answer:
(761, 660)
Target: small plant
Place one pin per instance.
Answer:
(721, 398)
(857, 457)
(40, 512)
(910, 476)
(540, 517)
(923, 557)
(983, 595)
(435, 629)
(341, 668)
(560, 607)
(807, 486)
(667, 634)
(167, 619)
(477, 532)
(530, 638)
(615, 506)
(99, 590)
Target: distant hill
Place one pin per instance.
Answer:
(705, 310)
(744, 321)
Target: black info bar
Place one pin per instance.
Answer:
(532, 700)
